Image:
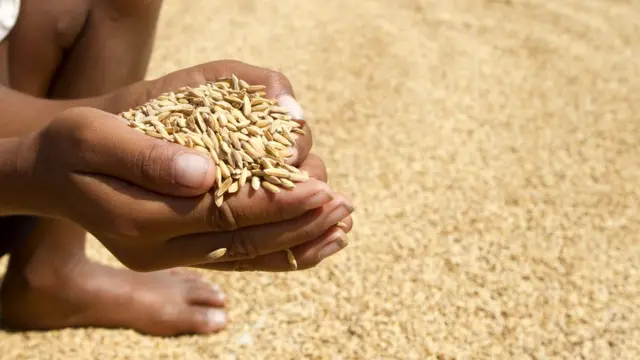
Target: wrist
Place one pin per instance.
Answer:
(17, 186)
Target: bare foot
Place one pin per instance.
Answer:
(161, 303)
(55, 288)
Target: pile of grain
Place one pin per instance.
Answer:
(247, 136)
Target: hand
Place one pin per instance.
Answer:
(278, 87)
(146, 200)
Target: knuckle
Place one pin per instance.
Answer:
(243, 245)
(149, 162)
(70, 124)
(282, 210)
(304, 234)
(223, 218)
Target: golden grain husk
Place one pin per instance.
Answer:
(246, 135)
(214, 255)
(292, 260)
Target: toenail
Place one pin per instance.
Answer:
(216, 317)
(216, 288)
(220, 296)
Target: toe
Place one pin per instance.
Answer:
(203, 320)
(206, 295)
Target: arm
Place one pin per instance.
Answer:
(129, 189)
(23, 114)
(13, 182)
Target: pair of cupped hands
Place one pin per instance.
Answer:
(148, 201)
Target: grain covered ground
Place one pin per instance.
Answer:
(493, 152)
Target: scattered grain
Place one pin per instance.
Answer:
(292, 260)
(214, 255)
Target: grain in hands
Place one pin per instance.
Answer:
(246, 135)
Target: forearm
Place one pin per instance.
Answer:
(23, 114)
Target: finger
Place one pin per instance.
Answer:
(307, 255)
(315, 167)
(179, 216)
(260, 240)
(253, 241)
(133, 210)
(243, 209)
(107, 146)
(302, 146)
(248, 207)
(346, 224)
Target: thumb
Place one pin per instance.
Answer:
(119, 151)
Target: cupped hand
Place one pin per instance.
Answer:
(147, 200)
(278, 87)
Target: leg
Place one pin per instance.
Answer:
(106, 42)
(47, 287)
(50, 283)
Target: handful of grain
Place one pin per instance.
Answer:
(247, 136)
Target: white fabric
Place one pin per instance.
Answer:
(9, 10)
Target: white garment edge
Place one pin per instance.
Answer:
(9, 11)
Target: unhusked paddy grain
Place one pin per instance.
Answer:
(292, 259)
(246, 135)
(217, 253)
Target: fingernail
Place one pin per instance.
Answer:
(342, 211)
(319, 199)
(349, 207)
(191, 170)
(216, 317)
(216, 288)
(220, 296)
(287, 101)
(332, 248)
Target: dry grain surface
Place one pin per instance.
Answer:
(493, 152)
